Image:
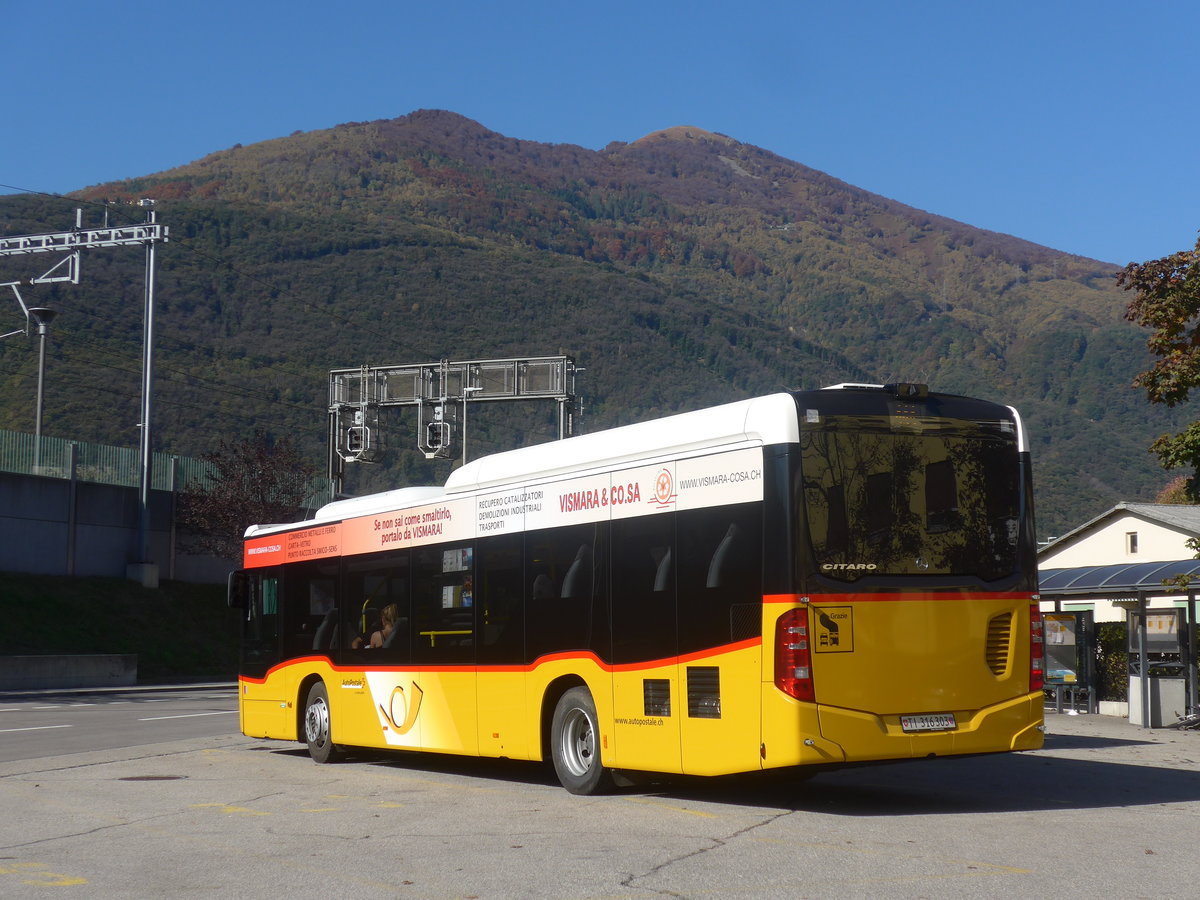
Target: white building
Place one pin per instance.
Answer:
(1132, 548)
(1116, 565)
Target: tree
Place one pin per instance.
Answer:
(1174, 492)
(255, 481)
(1167, 300)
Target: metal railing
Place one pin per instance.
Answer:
(104, 464)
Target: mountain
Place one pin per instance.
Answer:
(683, 269)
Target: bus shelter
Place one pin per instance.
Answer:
(1070, 657)
(1161, 617)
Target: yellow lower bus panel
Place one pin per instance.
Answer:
(699, 714)
(263, 711)
(505, 714)
(497, 713)
(791, 733)
(1013, 725)
(796, 734)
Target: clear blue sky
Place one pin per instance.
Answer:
(1071, 124)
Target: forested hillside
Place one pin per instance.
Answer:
(680, 270)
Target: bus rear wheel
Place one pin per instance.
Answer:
(317, 729)
(575, 744)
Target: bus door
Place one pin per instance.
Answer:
(262, 707)
(443, 647)
(567, 623)
(500, 648)
(720, 620)
(646, 699)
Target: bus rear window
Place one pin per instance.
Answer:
(883, 498)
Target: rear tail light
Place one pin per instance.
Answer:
(793, 658)
(1037, 649)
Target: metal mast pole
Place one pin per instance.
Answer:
(43, 327)
(146, 453)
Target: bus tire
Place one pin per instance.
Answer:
(317, 729)
(575, 744)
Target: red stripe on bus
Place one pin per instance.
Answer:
(526, 668)
(911, 597)
(919, 596)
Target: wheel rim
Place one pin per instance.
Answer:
(577, 744)
(316, 722)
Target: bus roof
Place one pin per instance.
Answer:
(762, 420)
(357, 506)
(770, 419)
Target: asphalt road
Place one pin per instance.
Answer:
(1106, 808)
(52, 723)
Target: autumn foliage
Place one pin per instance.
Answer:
(1167, 300)
(254, 481)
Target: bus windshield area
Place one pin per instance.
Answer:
(890, 495)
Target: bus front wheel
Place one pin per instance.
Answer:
(317, 731)
(575, 744)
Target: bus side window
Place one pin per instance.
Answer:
(577, 583)
(371, 584)
(498, 601)
(565, 607)
(238, 589)
(664, 572)
(310, 592)
(720, 580)
(643, 588)
(724, 559)
(260, 622)
(444, 605)
(327, 632)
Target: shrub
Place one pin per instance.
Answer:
(1112, 661)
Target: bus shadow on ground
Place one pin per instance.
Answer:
(508, 770)
(1082, 742)
(1008, 783)
(952, 785)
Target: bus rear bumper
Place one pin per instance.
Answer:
(1013, 725)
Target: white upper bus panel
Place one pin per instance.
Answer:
(763, 420)
(358, 506)
(760, 421)
(377, 503)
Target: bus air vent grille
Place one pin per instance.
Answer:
(999, 641)
(704, 692)
(656, 696)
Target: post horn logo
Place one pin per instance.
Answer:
(403, 723)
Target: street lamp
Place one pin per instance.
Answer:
(42, 317)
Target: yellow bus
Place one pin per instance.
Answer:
(810, 578)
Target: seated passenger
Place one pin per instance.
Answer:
(389, 615)
(370, 625)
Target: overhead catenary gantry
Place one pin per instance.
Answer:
(440, 391)
(71, 243)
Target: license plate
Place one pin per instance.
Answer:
(933, 722)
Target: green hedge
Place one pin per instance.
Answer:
(1112, 661)
(180, 632)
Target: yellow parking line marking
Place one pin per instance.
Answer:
(682, 809)
(227, 808)
(41, 876)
